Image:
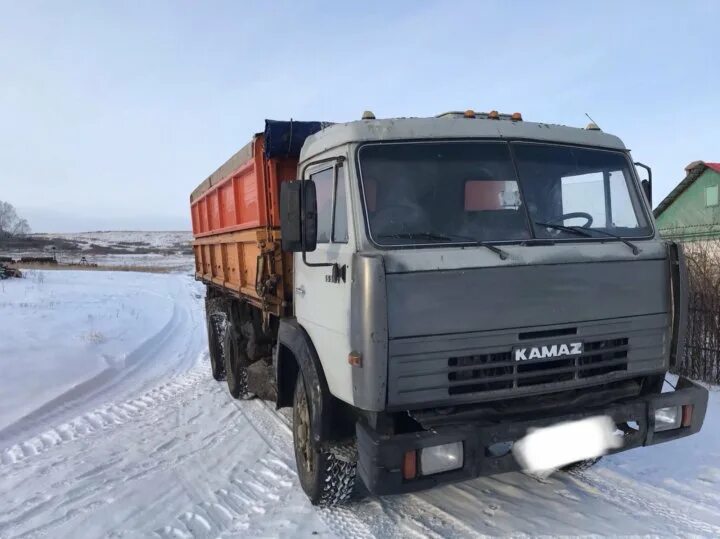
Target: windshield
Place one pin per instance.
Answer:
(460, 192)
(579, 187)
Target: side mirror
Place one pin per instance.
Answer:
(646, 184)
(290, 219)
(298, 216)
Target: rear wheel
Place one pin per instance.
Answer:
(236, 363)
(216, 326)
(327, 476)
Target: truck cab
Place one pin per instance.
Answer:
(469, 277)
(426, 292)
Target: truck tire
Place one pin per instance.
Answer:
(326, 478)
(216, 322)
(235, 364)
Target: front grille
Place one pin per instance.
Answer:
(489, 372)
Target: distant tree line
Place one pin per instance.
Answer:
(11, 224)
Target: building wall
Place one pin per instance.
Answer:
(688, 217)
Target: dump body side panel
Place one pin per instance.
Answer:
(236, 225)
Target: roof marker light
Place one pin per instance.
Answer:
(493, 115)
(469, 113)
(592, 127)
(368, 115)
(516, 117)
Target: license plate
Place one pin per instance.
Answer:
(546, 449)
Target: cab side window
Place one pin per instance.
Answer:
(324, 186)
(324, 183)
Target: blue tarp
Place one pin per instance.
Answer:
(285, 139)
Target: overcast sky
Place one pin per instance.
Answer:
(112, 112)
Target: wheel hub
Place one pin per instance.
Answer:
(303, 434)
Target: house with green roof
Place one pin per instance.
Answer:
(691, 212)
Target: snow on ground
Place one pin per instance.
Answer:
(156, 448)
(167, 262)
(110, 238)
(166, 251)
(67, 336)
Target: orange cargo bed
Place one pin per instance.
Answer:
(236, 219)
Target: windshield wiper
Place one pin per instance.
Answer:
(440, 237)
(580, 231)
(632, 246)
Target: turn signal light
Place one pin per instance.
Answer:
(409, 467)
(687, 412)
(355, 359)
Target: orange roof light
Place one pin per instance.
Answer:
(516, 117)
(493, 115)
(469, 113)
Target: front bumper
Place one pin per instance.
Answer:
(380, 457)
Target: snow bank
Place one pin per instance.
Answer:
(66, 333)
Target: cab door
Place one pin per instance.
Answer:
(322, 295)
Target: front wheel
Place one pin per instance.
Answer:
(326, 478)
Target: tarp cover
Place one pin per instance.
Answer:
(285, 139)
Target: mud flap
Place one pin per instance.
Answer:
(261, 380)
(295, 338)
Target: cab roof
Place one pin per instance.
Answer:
(452, 127)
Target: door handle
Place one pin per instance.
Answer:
(300, 290)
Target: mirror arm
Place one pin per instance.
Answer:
(647, 169)
(338, 272)
(649, 180)
(315, 264)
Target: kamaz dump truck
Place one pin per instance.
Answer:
(424, 292)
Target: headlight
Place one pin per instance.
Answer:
(441, 458)
(668, 418)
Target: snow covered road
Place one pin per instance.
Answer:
(128, 436)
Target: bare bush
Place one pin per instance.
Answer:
(701, 358)
(11, 224)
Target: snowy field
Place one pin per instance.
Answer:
(161, 251)
(129, 238)
(111, 426)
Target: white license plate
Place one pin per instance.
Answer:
(550, 448)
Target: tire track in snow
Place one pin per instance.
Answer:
(243, 502)
(181, 324)
(99, 420)
(651, 501)
(259, 492)
(78, 494)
